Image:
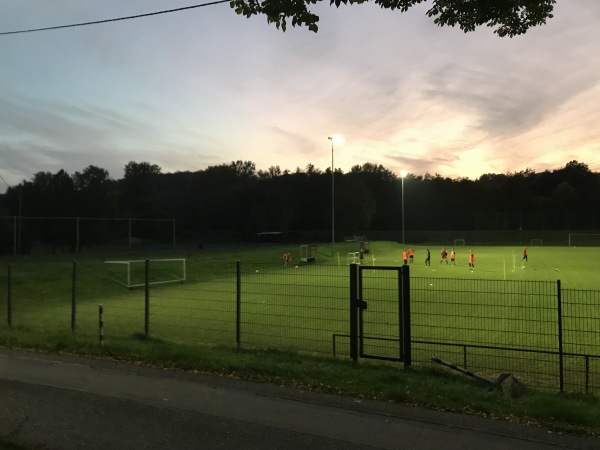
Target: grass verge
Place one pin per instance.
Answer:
(432, 388)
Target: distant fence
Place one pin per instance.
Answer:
(23, 235)
(545, 335)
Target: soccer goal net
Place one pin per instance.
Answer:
(536, 242)
(584, 240)
(459, 243)
(132, 273)
(308, 252)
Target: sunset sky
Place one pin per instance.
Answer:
(205, 87)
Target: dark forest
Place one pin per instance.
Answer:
(237, 198)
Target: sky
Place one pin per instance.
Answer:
(205, 87)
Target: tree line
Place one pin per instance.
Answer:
(237, 198)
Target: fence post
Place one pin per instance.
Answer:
(147, 299)
(406, 333)
(73, 298)
(354, 312)
(9, 296)
(101, 324)
(561, 363)
(238, 303)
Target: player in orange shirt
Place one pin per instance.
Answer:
(287, 256)
(452, 257)
(471, 260)
(444, 255)
(405, 256)
(411, 255)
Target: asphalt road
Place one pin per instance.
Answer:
(65, 402)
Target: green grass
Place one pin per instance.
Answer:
(298, 310)
(310, 303)
(316, 294)
(431, 388)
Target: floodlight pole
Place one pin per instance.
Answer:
(403, 174)
(332, 201)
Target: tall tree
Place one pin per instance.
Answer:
(509, 17)
(139, 193)
(51, 196)
(382, 186)
(355, 205)
(93, 190)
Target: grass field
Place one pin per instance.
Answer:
(502, 302)
(300, 309)
(576, 267)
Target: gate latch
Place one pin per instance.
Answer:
(362, 304)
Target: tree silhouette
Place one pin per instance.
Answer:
(509, 17)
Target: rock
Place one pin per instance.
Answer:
(510, 386)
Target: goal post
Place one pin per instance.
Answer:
(537, 242)
(308, 253)
(353, 257)
(459, 243)
(132, 273)
(584, 240)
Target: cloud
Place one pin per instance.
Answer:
(208, 87)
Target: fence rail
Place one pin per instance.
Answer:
(544, 334)
(23, 235)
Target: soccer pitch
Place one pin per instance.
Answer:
(300, 307)
(248, 297)
(576, 267)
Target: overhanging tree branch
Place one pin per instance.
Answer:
(508, 17)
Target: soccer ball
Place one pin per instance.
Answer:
(256, 270)
(556, 270)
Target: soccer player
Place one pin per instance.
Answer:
(287, 256)
(524, 258)
(411, 255)
(428, 258)
(452, 256)
(444, 255)
(471, 260)
(405, 256)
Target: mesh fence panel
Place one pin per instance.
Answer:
(200, 310)
(581, 339)
(27, 235)
(486, 326)
(294, 307)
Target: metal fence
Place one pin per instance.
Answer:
(21, 235)
(547, 336)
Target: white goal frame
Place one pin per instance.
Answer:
(129, 281)
(571, 235)
(308, 253)
(536, 242)
(460, 242)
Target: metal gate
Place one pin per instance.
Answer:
(381, 319)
